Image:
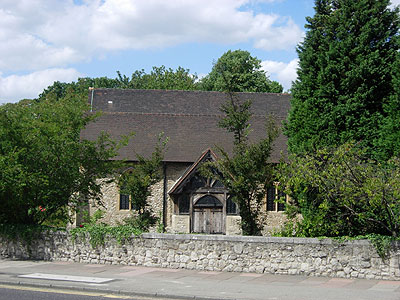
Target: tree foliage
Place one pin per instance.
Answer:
(345, 86)
(138, 181)
(80, 88)
(388, 143)
(241, 72)
(341, 192)
(247, 172)
(159, 78)
(44, 166)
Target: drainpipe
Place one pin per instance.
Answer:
(91, 98)
(165, 195)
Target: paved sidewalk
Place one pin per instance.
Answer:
(191, 284)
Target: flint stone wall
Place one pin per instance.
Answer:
(294, 256)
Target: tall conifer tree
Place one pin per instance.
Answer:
(345, 76)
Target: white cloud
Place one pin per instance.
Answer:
(159, 23)
(59, 33)
(395, 2)
(14, 87)
(284, 73)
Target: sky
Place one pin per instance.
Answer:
(42, 41)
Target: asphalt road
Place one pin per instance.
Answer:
(34, 293)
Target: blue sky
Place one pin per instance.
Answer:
(42, 41)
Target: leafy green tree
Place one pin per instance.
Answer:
(341, 192)
(138, 181)
(79, 88)
(348, 61)
(246, 173)
(44, 166)
(242, 72)
(388, 144)
(159, 78)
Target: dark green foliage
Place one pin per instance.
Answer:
(345, 86)
(159, 78)
(247, 172)
(80, 88)
(25, 233)
(44, 166)
(242, 69)
(341, 192)
(236, 120)
(388, 144)
(238, 71)
(142, 220)
(137, 183)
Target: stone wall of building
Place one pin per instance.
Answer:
(174, 222)
(109, 205)
(174, 172)
(274, 220)
(295, 256)
(180, 223)
(233, 226)
(110, 199)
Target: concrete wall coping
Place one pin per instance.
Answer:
(250, 239)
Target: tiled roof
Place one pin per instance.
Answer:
(188, 118)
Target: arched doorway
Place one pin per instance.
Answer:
(207, 215)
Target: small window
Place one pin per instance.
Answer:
(271, 197)
(281, 206)
(231, 207)
(123, 202)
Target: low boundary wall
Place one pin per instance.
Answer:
(293, 256)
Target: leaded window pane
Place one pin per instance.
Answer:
(123, 201)
(231, 207)
(281, 206)
(271, 198)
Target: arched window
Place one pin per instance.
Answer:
(208, 201)
(231, 207)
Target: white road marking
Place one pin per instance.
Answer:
(66, 278)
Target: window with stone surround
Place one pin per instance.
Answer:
(125, 202)
(273, 195)
(231, 207)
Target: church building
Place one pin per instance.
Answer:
(184, 200)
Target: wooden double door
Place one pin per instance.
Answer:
(207, 220)
(208, 215)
